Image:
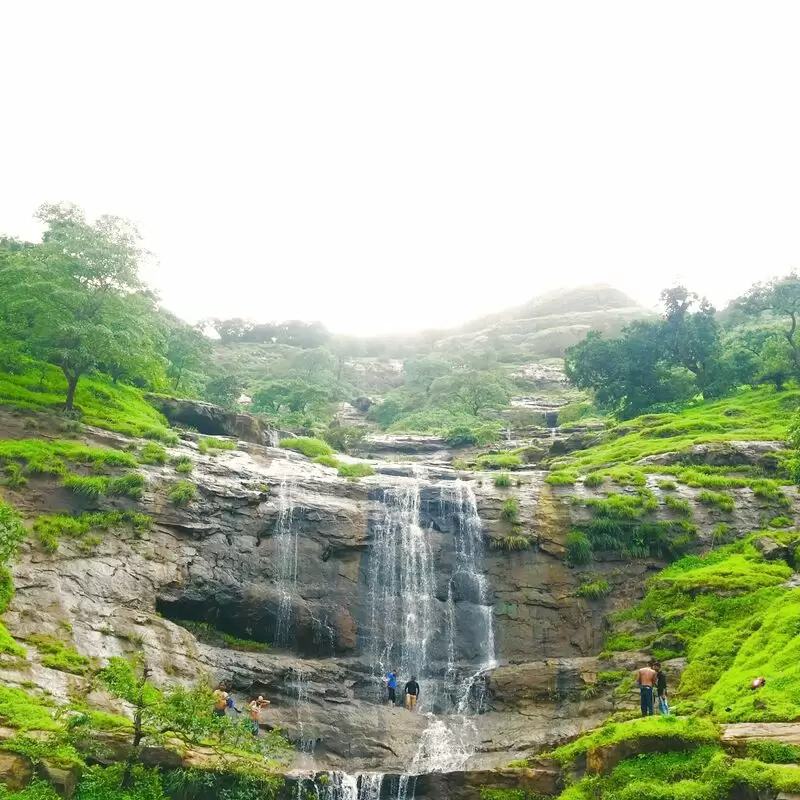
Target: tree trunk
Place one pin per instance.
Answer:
(72, 385)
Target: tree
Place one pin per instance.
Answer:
(293, 395)
(419, 372)
(781, 298)
(470, 391)
(188, 350)
(224, 390)
(232, 330)
(76, 299)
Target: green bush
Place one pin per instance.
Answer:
(57, 655)
(183, 465)
(561, 478)
(579, 549)
(679, 506)
(312, 448)
(182, 493)
(502, 480)
(212, 443)
(355, 470)
(781, 522)
(153, 453)
(510, 510)
(499, 461)
(511, 543)
(719, 499)
(594, 589)
(130, 485)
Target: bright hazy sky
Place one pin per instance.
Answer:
(386, 166)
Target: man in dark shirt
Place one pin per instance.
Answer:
(412, 693)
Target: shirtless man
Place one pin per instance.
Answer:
(646, 680)
(254, 707)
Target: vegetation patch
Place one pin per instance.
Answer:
(183, 465)
(58, 655)
(502, 481)
(561, 478)
(51, 528)
(182, 493)
(153, 453)
(593, 588)
(212, 443)
(511, 543)
(719, 499)
(205, 631)
(96, 486)
(678, 505)
(501, 461)
(308, 446)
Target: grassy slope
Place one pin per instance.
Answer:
(752, 414)
(115, 407)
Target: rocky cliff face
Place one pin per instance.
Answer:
(344, 580)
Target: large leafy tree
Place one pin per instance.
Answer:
(77, 300)
(470, 391)
(188, 350)
(779, 298)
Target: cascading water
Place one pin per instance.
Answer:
(286, 540)
(401, 586)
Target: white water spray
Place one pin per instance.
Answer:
(286, 539)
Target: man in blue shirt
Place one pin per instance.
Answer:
(391, 685)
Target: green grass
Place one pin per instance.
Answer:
(328, 461)
(355, 470)
(511, 543)
(493, 461)
(593, 589)
(693, 731)
(183, 465)
(678, 505)
(752, 414)
(47, 457)
(502, 481)
(510, 510)
(308, 446)
(94, 487)
(579, 548)
(781, 522)
(98, 401)
(23, 711)
(7, 644)
(719, 499)
(153, 453)
(667, 486)
(182, 493)
(14, 478)
(49, 529)
(58, 655)
(593, 479)
(562, 478)
(212, 443)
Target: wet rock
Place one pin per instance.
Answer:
(63, 779)
(16, 771)
(213, 420)
(407, 444)
(722, 454)
(772, 550)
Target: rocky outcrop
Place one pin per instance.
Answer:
(211, 420)
(762, 455)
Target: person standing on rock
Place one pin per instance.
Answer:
(220, 701)
(254, 708)
(391, 686)
(412, 693)
(646, 681)
(661, 689)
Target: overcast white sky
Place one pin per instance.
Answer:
(391, 166)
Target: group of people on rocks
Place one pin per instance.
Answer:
(652, 682)
(223, 701)
(411, 690)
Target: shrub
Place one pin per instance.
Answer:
(309, 447)
(719, 499)
(328, 461)
(594, 589)
(510, 510)
(679, 506)
(561, 478)
(579, 549)
(511, 543)
(183, 465)
(130, 485)
(355, 470)
(57, 655)
(153, 453)
(182, 493)
(593, 479)
(14, 478)
(212, 443)
(502, 480)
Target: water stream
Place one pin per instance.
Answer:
(286, 540)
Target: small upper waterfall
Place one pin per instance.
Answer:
(286, 539)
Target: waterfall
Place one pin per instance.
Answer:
(401, 586)
(344, 786)
(298, 683)
(286, 539)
